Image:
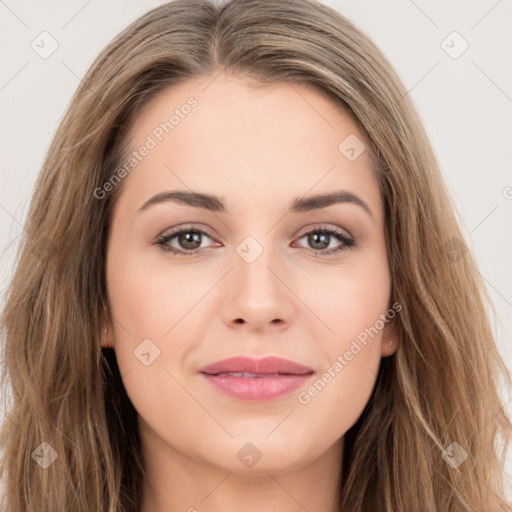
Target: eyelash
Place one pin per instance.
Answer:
(162, 241)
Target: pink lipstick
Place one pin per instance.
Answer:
(251, 379)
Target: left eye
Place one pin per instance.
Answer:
(189, 241)
(323, 237)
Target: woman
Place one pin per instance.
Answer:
(257, 366)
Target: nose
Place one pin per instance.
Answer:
(258, 295)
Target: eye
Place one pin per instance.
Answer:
(320, 239)
(188, 239)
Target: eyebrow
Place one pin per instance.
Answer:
(215, 204)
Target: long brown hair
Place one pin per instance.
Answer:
(439, 388)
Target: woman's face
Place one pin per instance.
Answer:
(249, 276)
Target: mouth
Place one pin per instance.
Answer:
(257, 367)
(247, 375)
(254, 380)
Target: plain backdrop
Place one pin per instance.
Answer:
(454, 58)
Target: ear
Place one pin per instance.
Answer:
(106, 336)
(389, 340)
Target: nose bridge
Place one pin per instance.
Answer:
(257, 262)
(258, 296)
(257, 226)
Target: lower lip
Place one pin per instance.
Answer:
(257, 388)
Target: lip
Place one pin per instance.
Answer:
(268, 378)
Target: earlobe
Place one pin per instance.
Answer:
(105, 337)
(389, 341)
(388, 347)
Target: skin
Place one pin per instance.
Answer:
(258, 148)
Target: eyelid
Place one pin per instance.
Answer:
(304, 230)
(315, 226)
(185, 227)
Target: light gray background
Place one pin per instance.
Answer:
(465, 103)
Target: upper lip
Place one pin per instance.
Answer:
(265, 366)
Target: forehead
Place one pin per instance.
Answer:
(235, 137)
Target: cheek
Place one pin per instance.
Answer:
(347, 300)
(151, 339)
(338, 395)
(158, 313)
(349, 342)
(148, 300)
(351, 311)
